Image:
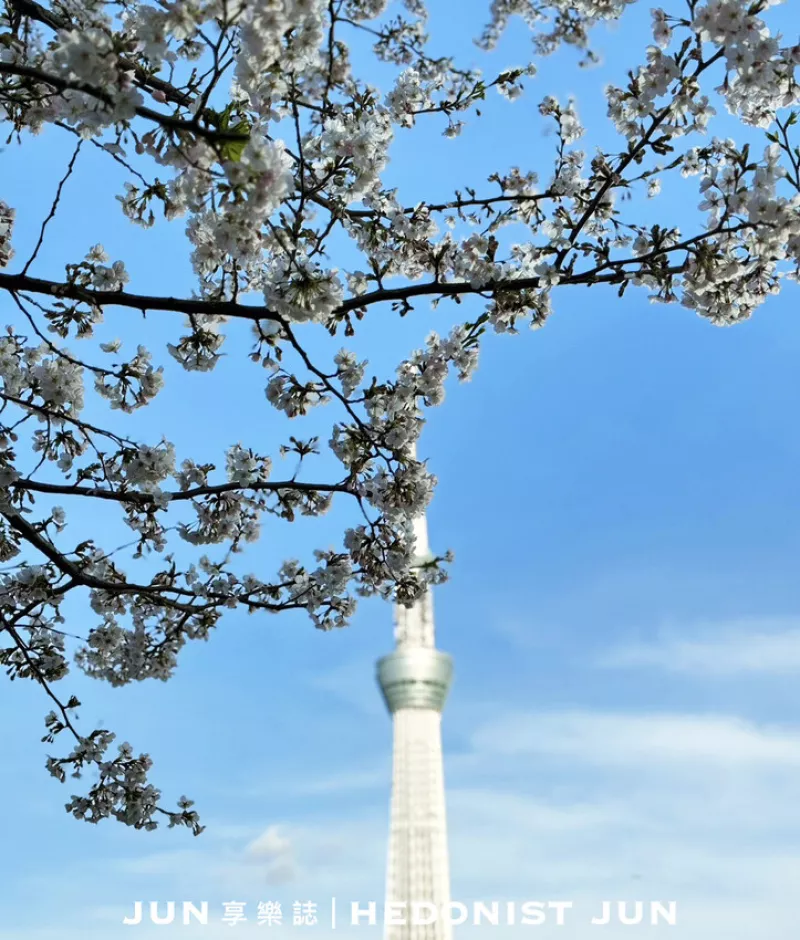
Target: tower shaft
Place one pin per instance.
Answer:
(415, 679)
(418, 864)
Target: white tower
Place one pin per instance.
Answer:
(415, 679)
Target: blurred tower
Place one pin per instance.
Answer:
(415, 679)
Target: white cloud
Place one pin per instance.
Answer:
(770, 646)
(275, 852)
(270, 845)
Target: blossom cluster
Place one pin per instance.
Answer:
(6, 227)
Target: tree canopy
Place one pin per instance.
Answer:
(249, 120)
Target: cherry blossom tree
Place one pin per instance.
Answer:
(246, 119)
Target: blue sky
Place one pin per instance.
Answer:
(620, 490)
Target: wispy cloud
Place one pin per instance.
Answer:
(353, 684)
(348, 782)
(715, 826)
(620, 739)
(770, 646)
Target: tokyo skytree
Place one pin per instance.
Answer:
(415, 679)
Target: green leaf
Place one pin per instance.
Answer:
(232, 150)
(225, 117)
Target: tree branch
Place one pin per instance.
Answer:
(36, 486)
